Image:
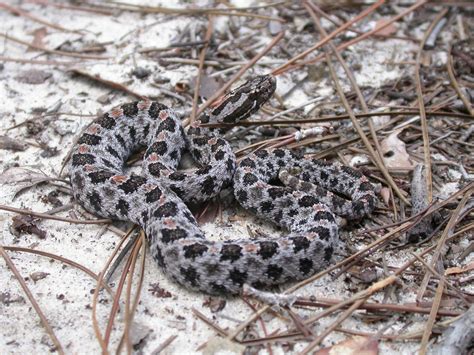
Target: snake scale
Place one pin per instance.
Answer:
(302, 196)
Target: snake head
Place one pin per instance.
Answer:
(243, 101)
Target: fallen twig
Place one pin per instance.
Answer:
(26, 290)
(52, 51)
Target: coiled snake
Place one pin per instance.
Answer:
(292, 192)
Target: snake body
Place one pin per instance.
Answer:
(294, 193)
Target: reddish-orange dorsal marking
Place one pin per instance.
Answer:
(144, 105)
(319, 207)
(311, 235)
(251, 248)
(119, 179)
(163, 115)
(169, 222)
(93, 129)
(161, 136)
(153, 157)
(83, 149)
(116, 112)
(149, 187)
(213, 250)
(261, 184)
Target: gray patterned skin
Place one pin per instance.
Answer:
(156, 199)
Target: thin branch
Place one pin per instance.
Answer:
(72, 7)
(21, 12)
(95, 324)
(202, 56)
(52, 51)
(38, 62)
(56, 218)
(322, 119)
(61, 259)
(442, 241)
(191, 11)
(33, 302)
(421, 104)
(112, 84)
(432, 317)
(455, 84)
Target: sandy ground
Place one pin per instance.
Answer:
(63, 292)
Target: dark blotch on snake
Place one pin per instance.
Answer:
(171, 235)
(323, 232)
(231, 252)
(194, 250)
(267, 249)
(89, 139)
(82, 159)
(249, 179)
(100, 176)
(130, 109)
(155, 109)
(168, 209)
(106, 121)
(113, 152)
(274, 272)
(132, 184)
(306, 265)
(237, 276)
(300, 243)
(153, 195)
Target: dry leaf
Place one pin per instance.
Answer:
(38, 275)
(215, 304)
(8, 143)
(182, 86)
(27, 224)
(394, 152)
(33, 76)
(138, 333)
(38, 36)
(419, 201)
(22, 178)
(355, 345)
(385, 193)
(389, 30)
(209, 86)
(459, 270)
(216, 344)
(158, 291)
(6, 298)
